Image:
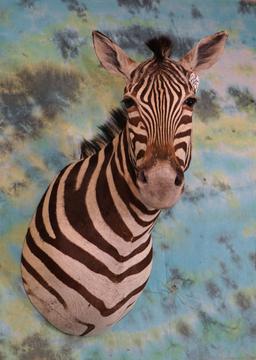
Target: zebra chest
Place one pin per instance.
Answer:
(101, 288)
(80, 272)
(108, 270)
(100, 250)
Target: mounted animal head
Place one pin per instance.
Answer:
(159, 97)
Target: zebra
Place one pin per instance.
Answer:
(87, 255)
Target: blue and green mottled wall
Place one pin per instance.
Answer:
(200, 303)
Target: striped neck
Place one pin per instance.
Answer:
(124, 175)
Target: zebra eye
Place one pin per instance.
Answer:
(190, 101)
(128, 102)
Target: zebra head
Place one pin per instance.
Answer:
(159, 97)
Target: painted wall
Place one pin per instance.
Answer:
(200, 302)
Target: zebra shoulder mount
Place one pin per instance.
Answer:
(87, 254)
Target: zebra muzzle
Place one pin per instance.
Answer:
(160, 186)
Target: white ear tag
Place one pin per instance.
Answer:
(194, 81)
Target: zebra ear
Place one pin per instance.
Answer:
(111, 56)
(206, 53)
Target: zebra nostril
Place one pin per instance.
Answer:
(178, 180)
(142, 177)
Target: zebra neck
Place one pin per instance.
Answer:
(122, 184)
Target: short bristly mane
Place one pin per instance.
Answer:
(161, 47)
(108, 131)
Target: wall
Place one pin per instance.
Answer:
(200, 301)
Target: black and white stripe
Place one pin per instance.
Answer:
(83, 265)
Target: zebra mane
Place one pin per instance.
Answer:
(160, 46)
(114, 125)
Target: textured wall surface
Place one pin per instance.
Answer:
(200, 302)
